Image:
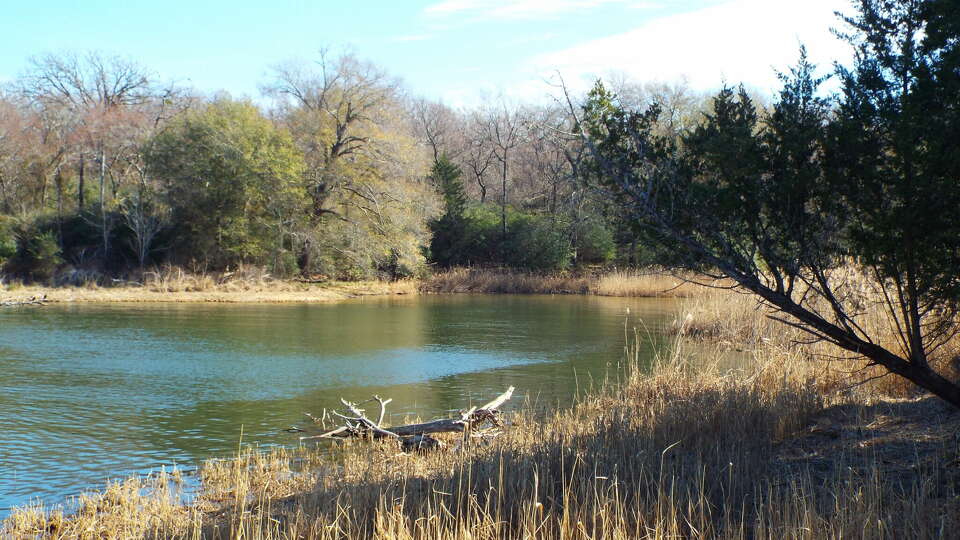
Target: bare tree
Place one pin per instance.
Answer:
(681, 107)
(100, 92)
(503, 130)
(440, 127)
(478, 156)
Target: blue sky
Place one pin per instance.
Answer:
(454, 50)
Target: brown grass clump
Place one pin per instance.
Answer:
(646, 284)
(616, 283)
(136, 508)
(686, 450)
(503, 281)
(731, 318)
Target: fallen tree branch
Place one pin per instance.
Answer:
(34, 301)
(411, 436)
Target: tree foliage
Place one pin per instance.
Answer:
(233, 181)
(365, 171)
(448, 230)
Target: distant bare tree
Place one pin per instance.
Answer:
(101, 93)
(440, 127)
(681, 106)
(478, 156)
(504, 130)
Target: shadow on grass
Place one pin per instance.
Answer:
(722, 461)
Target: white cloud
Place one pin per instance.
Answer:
(512, 9)
(736, 41)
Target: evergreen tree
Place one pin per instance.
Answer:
(892, 162)
(446, 245)
(779, 206)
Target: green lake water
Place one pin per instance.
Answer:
(94, 392)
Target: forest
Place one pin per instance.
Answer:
(338, 171)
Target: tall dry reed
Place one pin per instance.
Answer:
(736, 319)
(647, 283)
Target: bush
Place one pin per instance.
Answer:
(284, 264)
(532, 242)
(481, 237)
(38, 255)
(8, 240)
(593, 242)
(536, 243)
(447, 241)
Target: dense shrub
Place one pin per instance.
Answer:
(593, 242)
(8, 240)
(531, 242)
(536, 243)
(38, 254)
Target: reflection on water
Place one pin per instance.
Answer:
(91, 392)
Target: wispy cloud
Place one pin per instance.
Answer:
(512, 9)
(738, 40)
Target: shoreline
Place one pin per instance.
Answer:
(275, 292)
(203, 289)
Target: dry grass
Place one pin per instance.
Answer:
(476, 280)
(736, 320)
(646, 283)
(688, 450)
(615, 283)
(251, 284)
(173, 284)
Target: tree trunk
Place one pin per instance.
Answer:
(105, 233)
(503, 200)
(921, 375)
(58, 180)
(80, 186)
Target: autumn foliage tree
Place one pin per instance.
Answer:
(365, 173)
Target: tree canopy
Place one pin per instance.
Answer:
(235, 182)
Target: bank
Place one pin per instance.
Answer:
(174, 285)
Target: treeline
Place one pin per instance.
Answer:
(104, 171)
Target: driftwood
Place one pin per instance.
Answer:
(411, 436)
(34, 301)
(315, 278)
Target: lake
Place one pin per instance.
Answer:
(92, 392)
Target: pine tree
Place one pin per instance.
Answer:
(448, 230)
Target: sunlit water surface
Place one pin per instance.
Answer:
(96, 392)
